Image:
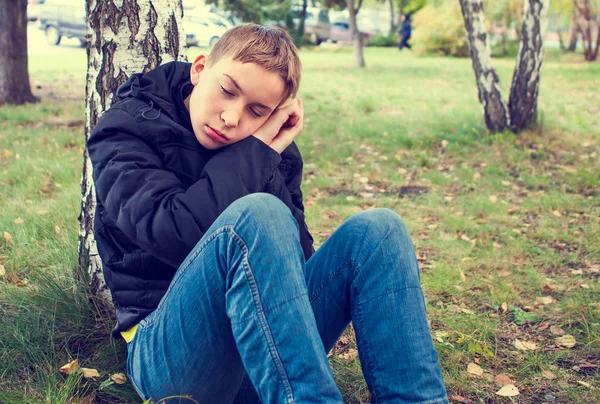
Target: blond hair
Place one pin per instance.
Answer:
(270, 48)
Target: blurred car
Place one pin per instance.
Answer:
(58, 18)
(201, 30)
(340, 32)
(33, 9)
(317, 27)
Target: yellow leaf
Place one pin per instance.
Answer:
(493, 198)
(8, 237)
(504, 307)
(512, 210)
(557, 330)
(548, 375)
(70, 367)
(545, 300)
(2, 270)
(474, 369)
(568, 341)
(556, 213)
(89, 373)
(510, 390)
(41, 212)
(57, 229)
(525, 345)
(19, 221)
(119, 378)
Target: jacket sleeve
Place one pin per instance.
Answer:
(150, 205)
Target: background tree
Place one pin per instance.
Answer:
(14, 73)
(521, 110)
(265, 12)
(357, 39)
(588, 25)
(125, 37)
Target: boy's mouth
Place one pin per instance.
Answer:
(216, 135)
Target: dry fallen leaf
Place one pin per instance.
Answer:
(504, 307)
(584, 384)
(510, 390)
(556, 213)
(545, 300)
(504, 379)
(8, 238)
(119, 378)
(557, 330)
(568, 341)
(525, 345)
(474, 369)
(19, 221)
(493, 198)
(512, 210)
(69, 367)
(2, 270)
(504, 273)
(548, 375)
(57, 229)
(89, 373)
(460, 399)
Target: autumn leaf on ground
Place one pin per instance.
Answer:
(474, 369)
(510, 390)
(525, 345)
(557, 330)
(504, 379)
(119, 378)
(568, 341)
(548, 375)
(2, 271)
(460, 399)
(493, 198)
(545, 300)
(70, 367)
(350, 354)
(8, 238)
(89, 373)
(19, 221)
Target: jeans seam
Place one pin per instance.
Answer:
(270, 309)
(387, 293)
(369, 364)
(263, 321)
(328, 281)
(183, 268)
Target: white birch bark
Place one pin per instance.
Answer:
(125, 37)
(488, 83)
(524, 90)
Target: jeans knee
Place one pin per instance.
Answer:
(381, 222)
(265, 211)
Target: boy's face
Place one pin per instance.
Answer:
(230, 100)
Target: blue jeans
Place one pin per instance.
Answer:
(245, 302)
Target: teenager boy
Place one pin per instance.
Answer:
(200, 227)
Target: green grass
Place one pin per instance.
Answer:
(507, 220)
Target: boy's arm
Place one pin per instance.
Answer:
(150, 205)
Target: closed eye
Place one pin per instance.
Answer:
(256, 114)
(226, 92)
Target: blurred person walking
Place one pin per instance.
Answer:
(405, 31)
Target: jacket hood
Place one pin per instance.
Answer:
(164, 87)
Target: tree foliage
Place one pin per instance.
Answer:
(257, 11)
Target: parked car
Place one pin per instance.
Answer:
(340, 32)
(63, 18)
(201, 30)
(33, 9)
(317, 27)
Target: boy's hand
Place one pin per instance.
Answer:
(282, 127)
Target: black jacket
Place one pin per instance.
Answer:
(158, 190)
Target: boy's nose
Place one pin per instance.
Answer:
(231, 118)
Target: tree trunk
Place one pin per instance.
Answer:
(488, 83)
(356, 37)
(588, 25)
(573, 33)
(125, 37)
(392, 19)
(522, 103)
(14, 73)
(505, 36)
(561, 42)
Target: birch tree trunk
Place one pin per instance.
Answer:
(14, 73)
(356, 37)
(495, 109)
(573, 33)
(522, 103)
(125, 37)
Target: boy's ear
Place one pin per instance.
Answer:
(198, 66)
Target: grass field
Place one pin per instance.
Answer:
(507, 227)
